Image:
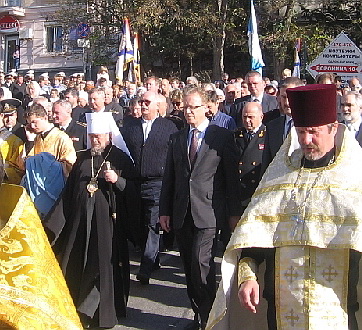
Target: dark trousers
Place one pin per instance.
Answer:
(150, 237)
(197, 249)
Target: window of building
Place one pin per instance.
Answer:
(13, 3)
(54, 39)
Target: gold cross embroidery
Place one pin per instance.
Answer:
(329, 274)
(291, 274)
(293, 319)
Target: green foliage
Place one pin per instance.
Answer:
(179, 33)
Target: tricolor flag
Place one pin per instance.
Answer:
(257, 62)
(125, 54)
(296, 69)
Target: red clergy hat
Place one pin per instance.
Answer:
(313, 105)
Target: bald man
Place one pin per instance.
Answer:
(250, 140)
(147, 140)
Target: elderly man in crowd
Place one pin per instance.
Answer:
(62, 117)
(147, 138)
(251, 141)
(351, 113)
(91, 237)
(305, 222)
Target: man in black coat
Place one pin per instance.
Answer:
(199, 189)
(147, 139)
(113, 107)
(62, 115)
(250, 140)
(72, 96)
(278, 129)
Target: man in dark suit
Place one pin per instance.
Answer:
(62, 115)
(18, 88)
(351, 113)
(72, 95)
(97, 103)
(256, 86)
(113, 107)
(199, 191)
(278, 129)
(228, 106)
(250, 140)
(147, 139)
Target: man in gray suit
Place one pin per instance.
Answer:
(351, 113)
(200, 191)
(256, 86)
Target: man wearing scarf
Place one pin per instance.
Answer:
(305, 222)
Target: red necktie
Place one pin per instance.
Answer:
(193, 147)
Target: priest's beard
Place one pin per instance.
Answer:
(96, 151)
(312, 152)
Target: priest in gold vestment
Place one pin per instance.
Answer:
(49, 138)
(305, 222)
(33, 292)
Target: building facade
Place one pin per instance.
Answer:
(30, 38)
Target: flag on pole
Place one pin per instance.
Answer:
(296, 69)
(125, 54)
(257, 62)
(136, 62)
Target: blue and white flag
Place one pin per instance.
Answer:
(257, 62)
(296, 69)
(125, 54)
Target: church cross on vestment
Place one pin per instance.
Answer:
(293, 319)
(329, 274)
(291, 274)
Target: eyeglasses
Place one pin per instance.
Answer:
(146, 102)
(192, 108)
(176, 103)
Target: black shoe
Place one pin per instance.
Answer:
(193, 325)
(144, 279)
(156, 266)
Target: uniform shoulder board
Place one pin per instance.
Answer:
(114, 111)
(81, 124)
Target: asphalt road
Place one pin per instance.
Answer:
(163, 304)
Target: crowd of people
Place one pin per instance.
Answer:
(248, 163)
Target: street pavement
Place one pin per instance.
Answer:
(163, 304)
